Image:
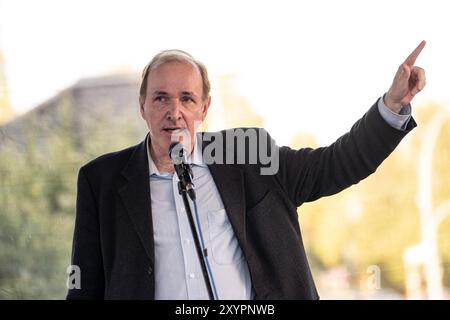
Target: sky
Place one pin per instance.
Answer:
(305, 66)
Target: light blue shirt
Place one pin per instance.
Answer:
(178, 274)
(398, 121)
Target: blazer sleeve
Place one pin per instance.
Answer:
(308, 174)
(86, 249)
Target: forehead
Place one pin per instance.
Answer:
(175, 76)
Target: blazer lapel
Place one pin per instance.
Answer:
(230, 183)
(135, 195)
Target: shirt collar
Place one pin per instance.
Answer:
(194, 158)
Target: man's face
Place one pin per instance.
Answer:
(174, 104)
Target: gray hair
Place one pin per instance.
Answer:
(174, 55)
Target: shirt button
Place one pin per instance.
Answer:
(187, 241)
(191, 275)
(150, 270)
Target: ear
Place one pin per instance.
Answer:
(206, 105)
(141, 105)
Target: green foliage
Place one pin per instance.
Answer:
(37, 204)
(37, 200)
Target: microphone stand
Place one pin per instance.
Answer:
(186, 187)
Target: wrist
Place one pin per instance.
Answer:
(393, 106)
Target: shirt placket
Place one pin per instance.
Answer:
(194, 280)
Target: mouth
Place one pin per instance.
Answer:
(174, 130)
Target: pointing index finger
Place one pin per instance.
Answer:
(413, 56)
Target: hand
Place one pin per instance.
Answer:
(408, 81)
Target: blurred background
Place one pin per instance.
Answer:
(306, 71)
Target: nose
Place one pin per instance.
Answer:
(174, 111)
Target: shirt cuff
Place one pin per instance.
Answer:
(399, 120)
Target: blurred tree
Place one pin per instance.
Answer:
(37, 198)
(35, 224)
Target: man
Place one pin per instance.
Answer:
(132, 238)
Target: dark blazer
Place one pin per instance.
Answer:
(113, 238)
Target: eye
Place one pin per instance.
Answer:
(187, 99)
(160, 99)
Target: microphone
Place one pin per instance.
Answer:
(184, 172)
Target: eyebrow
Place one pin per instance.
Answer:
(156, 93)
(190, 93)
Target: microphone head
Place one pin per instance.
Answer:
(176, 153)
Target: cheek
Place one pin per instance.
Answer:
(193, 120)
(196, 116)
(152, 116)
(150, 119)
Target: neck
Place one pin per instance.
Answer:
(161, 160)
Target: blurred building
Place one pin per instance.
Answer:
(108, 105)
(91, 104)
